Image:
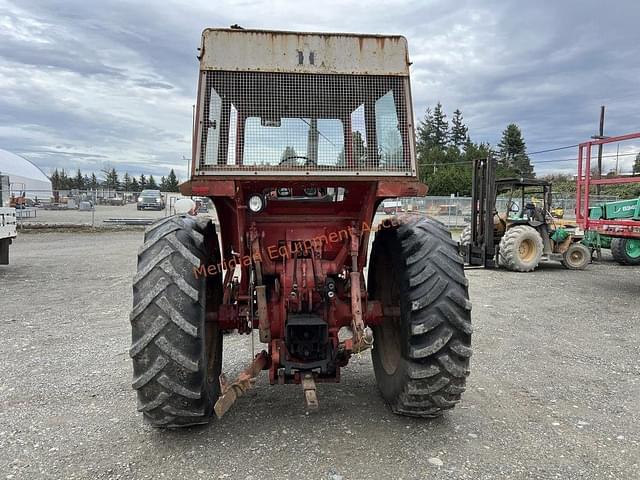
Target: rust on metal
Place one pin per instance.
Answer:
(230, 392)
(308, 52)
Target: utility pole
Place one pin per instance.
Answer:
(601, 135)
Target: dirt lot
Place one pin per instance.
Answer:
(554, 390)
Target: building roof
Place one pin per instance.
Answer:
(24, 176)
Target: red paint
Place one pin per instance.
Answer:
(320, 233)
(618, 228)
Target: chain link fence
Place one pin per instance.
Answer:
(88, 207)
(455, 212)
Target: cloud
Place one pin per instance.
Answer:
(86, 85)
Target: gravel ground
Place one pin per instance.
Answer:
(554, 390)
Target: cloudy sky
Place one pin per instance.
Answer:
(99, 84)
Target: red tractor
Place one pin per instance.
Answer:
(299, 138)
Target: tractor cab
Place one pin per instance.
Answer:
(524, 201)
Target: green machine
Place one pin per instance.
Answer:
(625, 250)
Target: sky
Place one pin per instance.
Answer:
(95, 85)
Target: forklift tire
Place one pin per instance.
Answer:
(465, 240)
(521, 249)
(421, 357)
(465, 236)
(626, 251)
(576, 257)
(177, 356)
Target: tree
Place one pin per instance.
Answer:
(152, 183)
(459, 136)
(288, 153)
(65, 182)
(126, 182)
(512, 152)
(424, 137)
(111, 178)
(391, 148)
(636, 165)
(143, 181)
(78, 181)
(440, 127)
(433, 131)
(135, 186)
(171, 184)
(94, 181)
(55, 180)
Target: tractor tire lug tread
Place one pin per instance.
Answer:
(436, 316)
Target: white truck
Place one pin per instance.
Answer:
(7, 232)
(7, 220)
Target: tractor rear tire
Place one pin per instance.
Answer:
(626, 251)
(421, 358)
(576, 257)
(521, 249)
(177, 355)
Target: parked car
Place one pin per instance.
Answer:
(151, 200)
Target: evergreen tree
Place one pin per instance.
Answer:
(636, 165)
(126, 182)
(440, 127)
(424, 137)
(78, 181)
(513, 152)
(111, 178)
(433, 131)
(94, 181)
(152, 183)
(288, 154)
(65, 184)
(143, 181)
(87, 181)
(163, 184)
(135, 186)
(459, 131)
(172, 182)
(114, 178)
(55, 180)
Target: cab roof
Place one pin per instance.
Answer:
(238, 49)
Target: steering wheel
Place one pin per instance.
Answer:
(307, 163)
(513, 207)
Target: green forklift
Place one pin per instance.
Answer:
(511, 225)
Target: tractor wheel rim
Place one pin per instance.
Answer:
(576, 257)
(632, 247)
(526, 250)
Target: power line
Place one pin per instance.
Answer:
(554, 149)
(553, 160)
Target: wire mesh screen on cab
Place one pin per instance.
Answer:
(318, 123)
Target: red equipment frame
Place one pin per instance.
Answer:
(617, 228)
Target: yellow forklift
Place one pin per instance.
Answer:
(524, 233)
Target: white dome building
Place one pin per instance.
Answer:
(24, 176)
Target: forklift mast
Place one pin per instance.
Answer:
(481, 249)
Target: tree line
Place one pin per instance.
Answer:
(61, 180)
(445, 153)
